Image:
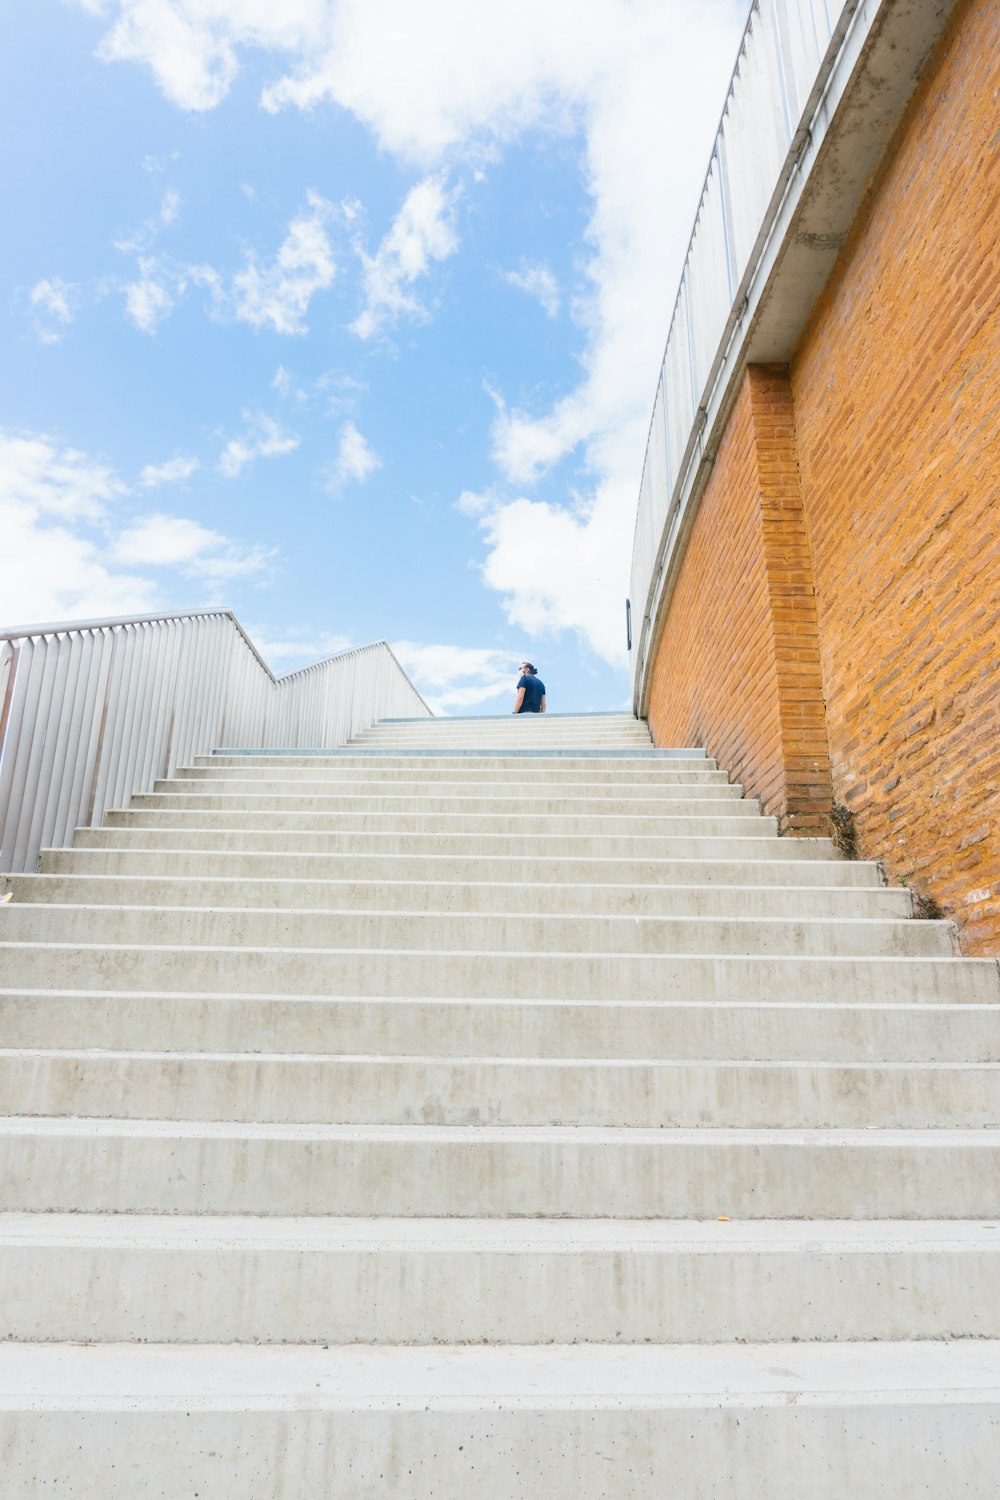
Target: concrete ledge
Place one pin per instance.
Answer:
(196, 1167)
(403, 1026)
(889, 1422)
(517, 1091)
(416, 1281)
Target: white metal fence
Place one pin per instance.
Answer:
(787, 52)
(92, 712)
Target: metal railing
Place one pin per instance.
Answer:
(92, 712)
(788, 50)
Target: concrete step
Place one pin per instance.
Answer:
(822, 870)
(511, 725)
(550, 975)
(541, 760)
(734, 901)
(753, 844)
(519, 933)
(197, 1167)
(685, 802)
(848, 1032)
(873, 1421)
(173, 1279)
(500, 737)
(515, 742)
(621, 775)
(376, 1090)
(740, 820)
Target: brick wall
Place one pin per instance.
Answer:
(897, 389)
(847, 547)
(738, 666)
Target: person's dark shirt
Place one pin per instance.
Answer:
(534, 692)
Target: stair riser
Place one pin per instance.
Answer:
(344, 895)
(515, 729)
(935, 1445)
(786, 852)
(523, 762)
(519, 728)
(549, 976)
(471, 869)
(742, 821)
(514, 740)
(646, 777)
(397, 1091)
(185, 1294)
(488, 932)
(434, 803)
(423, 1175)
(397, 1027)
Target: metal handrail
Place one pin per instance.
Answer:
(11, 633)
(92, 712)
(787, 51)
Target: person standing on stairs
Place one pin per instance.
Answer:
(530, 691)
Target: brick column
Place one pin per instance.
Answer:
(805, 754)
(736, 667)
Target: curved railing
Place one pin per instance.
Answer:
(787, 53)
(92, 712)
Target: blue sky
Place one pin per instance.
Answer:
(347, 314)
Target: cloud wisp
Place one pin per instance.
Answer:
(262, 437)
(355, 462)
(272, 294)
(278, 295)
(537, 281)
(174, 471)
(53, 303)
(422, 232)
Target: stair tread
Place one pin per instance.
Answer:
(864, 1138)
(225, 1377)
(554, 1236)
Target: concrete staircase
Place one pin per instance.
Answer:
(495, 1108)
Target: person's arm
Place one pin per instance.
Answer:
(519, 700)
(542, 710)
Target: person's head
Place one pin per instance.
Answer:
(527, 669)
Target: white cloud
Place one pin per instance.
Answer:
(151, 299)
(194, 66)
(538, 282)
(642, 80)
(423, 231)
(53, 303)
(174, 471)
(263, 438)
(278, 295)
(451, 678)
(471, 503)
(282, 382)
(143, 239)
(560, 569)
(175, 541)
(52, 569)
(37, 476)
(67, 553)
(299, 648)
(355, 462)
